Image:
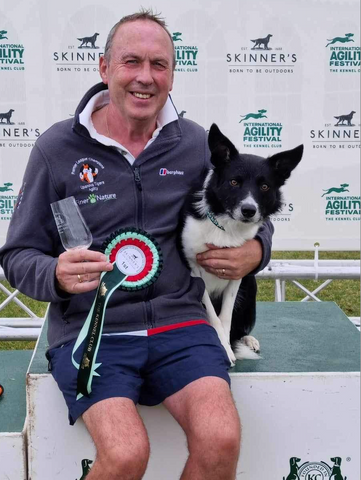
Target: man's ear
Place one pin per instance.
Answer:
(103, 69)
(284, 162)
(222, 149)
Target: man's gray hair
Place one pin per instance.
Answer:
(143, 14)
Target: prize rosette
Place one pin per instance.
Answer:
(137, 263)
(137, 255)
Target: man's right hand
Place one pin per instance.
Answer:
(78, 271)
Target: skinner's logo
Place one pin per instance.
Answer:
(15, 134)
(315, 470)
(262, 43)
(7, 116)
(79, 57)
(345, 118)
(343, 132)
(261, 58)
(3, 34)
(88, 42)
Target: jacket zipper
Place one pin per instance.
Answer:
(138, 183)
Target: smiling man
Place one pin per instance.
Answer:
(138, 68)
(157, 345)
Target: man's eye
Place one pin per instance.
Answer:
(265, 187)
(234, 183)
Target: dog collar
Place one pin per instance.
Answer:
(213, 219)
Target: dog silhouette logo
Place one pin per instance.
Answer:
(7, 116)
(182, 113)
(85, 41)
(256, 116)
(345, 118)
(336, 469)
(6, 187)
(315, 470)
(341, 189)
(176, 37)
(293, 475)
(85, 464)
(3, 34)
(262, 43)
(347, 38)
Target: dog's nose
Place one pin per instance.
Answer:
(248, 210)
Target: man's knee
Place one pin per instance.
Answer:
(126, 461)
(219, 440)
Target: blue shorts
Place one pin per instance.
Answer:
(145, 369)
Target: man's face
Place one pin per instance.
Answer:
(139, 74)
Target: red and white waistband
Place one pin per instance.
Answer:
(155, 331)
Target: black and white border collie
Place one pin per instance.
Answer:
(236, 197)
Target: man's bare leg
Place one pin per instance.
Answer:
(120, 438)
(206, 411)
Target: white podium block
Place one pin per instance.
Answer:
(299, 406)
(13, 366)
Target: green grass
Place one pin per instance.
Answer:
(346, 293)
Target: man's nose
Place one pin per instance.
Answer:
(145, 74)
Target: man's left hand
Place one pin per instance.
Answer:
(231, 263)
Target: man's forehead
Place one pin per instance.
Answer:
(140, 28)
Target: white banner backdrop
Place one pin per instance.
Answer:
(271, 74)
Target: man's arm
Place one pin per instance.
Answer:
(30, 255)
(237, 262)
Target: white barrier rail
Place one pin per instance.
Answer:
(277, 270)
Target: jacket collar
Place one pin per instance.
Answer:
(166, 117)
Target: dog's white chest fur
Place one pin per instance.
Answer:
(198, 232)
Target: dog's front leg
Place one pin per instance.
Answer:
(216, 323)
(228, 299)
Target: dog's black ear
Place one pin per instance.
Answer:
(284, 162)
(221, 148)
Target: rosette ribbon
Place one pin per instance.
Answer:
(137, 263)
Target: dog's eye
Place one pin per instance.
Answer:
(264, 187)
(234, 183)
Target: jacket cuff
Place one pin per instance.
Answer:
(264, 236)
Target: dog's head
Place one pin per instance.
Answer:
(246, 187)
(336, 460)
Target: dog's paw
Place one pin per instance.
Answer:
(252, 343)
(247, 348)
(231, 356)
